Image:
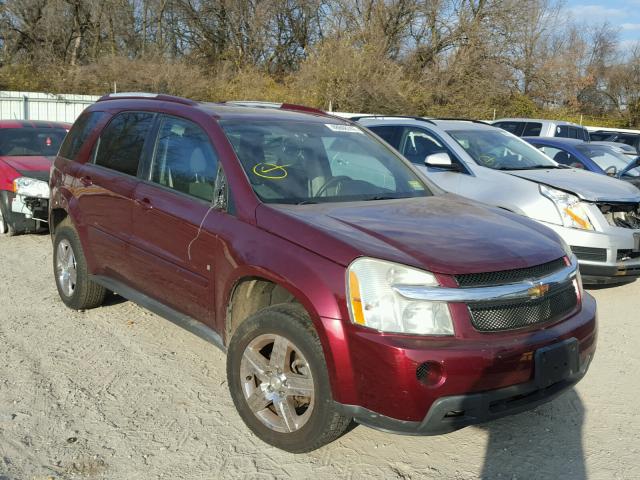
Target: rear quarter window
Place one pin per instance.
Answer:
(567, 131)
(532, 129)
(79, 133)
(585, 135)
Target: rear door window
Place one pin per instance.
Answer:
(79, 133)
(532, 129)
(184, 159)
(121, 144)
(390, 134)
(512, 127)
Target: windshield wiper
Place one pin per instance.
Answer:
(307, 202)
(380, 197)
(533, 167)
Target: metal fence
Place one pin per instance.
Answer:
(42, 106)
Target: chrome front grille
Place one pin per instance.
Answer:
(510, 299)
(521, 314)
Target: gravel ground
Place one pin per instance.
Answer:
(120, 393)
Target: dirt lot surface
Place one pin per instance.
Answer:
(120, 393)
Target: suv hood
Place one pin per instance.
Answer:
(586, 185)
(444, 234)
(28, 163)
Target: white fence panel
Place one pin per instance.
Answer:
(42, 106)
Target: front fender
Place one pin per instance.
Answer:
(62, 196)
(317, 283)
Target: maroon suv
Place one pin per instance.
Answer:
(341, 283)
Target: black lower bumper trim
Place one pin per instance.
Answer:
(605, 274)
(448, 414)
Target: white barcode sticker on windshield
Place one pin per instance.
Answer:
(342, 128)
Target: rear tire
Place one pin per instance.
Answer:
(285, 398)
(75, 288)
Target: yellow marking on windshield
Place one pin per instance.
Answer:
(270, 171)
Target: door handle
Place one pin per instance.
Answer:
(86, 181)
(143, 203)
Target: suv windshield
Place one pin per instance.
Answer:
(497, 149)
(606, 157)
(31, 141)
(304, 162)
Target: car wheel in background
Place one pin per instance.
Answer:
(5, 226)
(279, 382)
(76, 290)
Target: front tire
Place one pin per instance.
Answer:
(279, 382)
(75, 288)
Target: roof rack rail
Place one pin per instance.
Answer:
(281, 106)
(463, 120)
(410, 117)
(253, 103)
(147, 96)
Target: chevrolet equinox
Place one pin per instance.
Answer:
(341, 283)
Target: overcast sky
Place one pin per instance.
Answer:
(621, 14)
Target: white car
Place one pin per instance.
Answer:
(598, 216)
(534, 127)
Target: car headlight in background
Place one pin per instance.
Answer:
(570, 208)
(374, 303)
(30, 187)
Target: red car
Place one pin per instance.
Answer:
(27, 150)
(341, 283)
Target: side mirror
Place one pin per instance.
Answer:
(220, 191)
(611, 171)
(440, 160)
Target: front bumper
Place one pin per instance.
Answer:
(25, 214)
(454, 412)
(601, 253)
(30, 207)
(483, 375)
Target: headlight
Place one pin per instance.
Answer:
(375, 304)
(30, 187)
(571, 210)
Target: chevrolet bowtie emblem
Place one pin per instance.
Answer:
(538, 291)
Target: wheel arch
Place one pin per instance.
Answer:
(272, 288)
(56, 217)
(253, 292)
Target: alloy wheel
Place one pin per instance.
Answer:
(66, 268)
(277, 383)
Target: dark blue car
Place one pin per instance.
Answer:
(602, 159)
